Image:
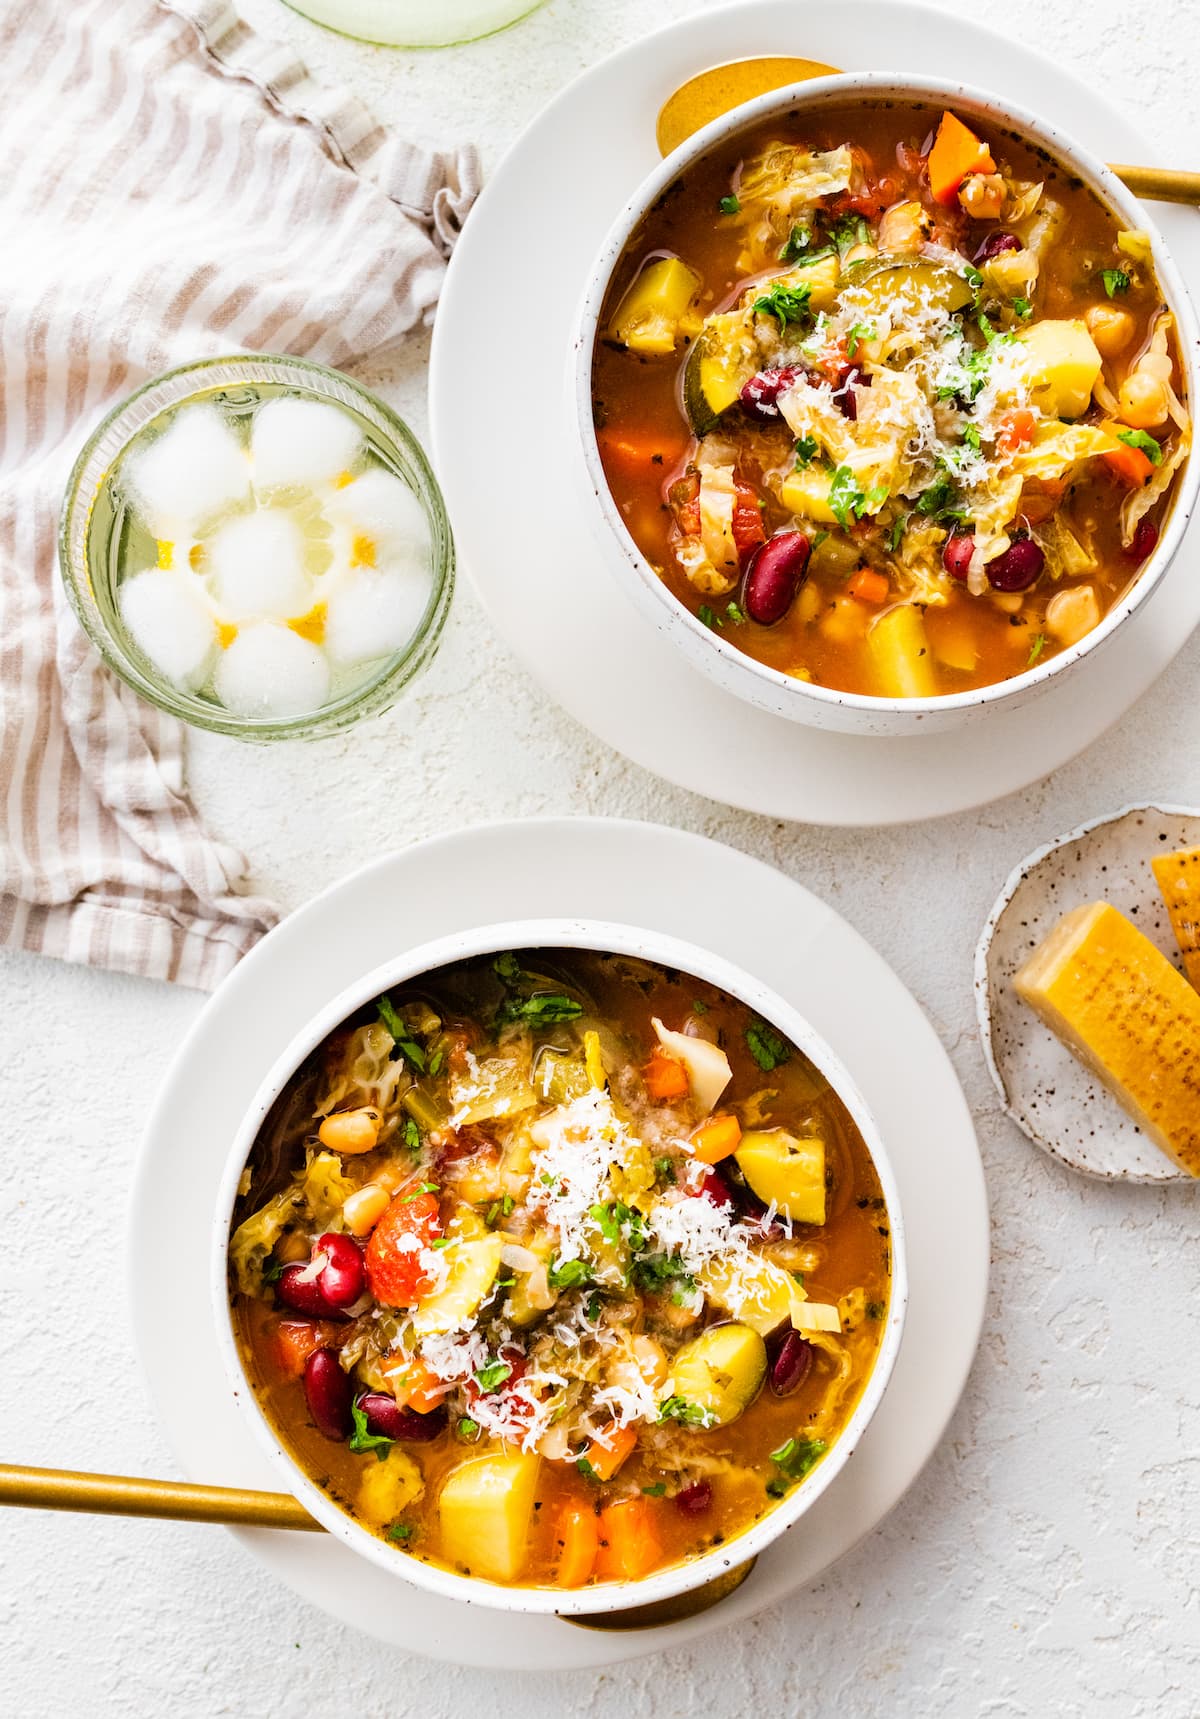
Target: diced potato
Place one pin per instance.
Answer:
(485, 1511)
(759, 1293)
(721, 1371)
(785, 1171)
(388, 1487)
(806, 493)
(1061, 364)
(474, 1266)
(651, 315)
(900, 652)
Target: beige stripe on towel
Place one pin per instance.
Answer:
(173, 188)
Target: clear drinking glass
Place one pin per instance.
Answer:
(416, 23)
(90, 536)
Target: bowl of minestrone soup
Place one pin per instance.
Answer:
(559, 1267)
(884, 393)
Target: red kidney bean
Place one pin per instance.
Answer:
(956, 554)
(342, 1279)
(715, 1188)
(850, 377)
(997, 245)
(1017, 568)
(776, 572)
(760, 397)
(387, 1419)
(329, 1394)
(790, 1365)
(696, 1499)
(1145, 541)
(303, 1293)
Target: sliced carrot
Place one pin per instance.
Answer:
(296, 1340)
(415, 1387)
(1017, 429)
(718, 1137)
(606, 1459)
(639, 455)
(956, 153)
(1129, 464)
(577, 1537)
(869, 586)
(665, 1076)
(629, 1542)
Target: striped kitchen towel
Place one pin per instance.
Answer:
(174, 187)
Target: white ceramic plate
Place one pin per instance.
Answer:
(502, 345)
(633, 874)
(1046, 1091)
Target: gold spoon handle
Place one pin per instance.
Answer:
(1160, 184)
(123, 1495)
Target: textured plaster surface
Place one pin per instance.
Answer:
(1047, 1561)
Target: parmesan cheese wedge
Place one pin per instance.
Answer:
(1178, 878)
(1118, 1004)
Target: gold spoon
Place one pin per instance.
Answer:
(238, 1507)
(714, 92)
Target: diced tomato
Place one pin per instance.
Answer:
(683, 498)
(296, 1339)
(1017, 428)
(407, 1228)
(748, 528)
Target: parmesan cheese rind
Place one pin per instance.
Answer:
(1178, 879)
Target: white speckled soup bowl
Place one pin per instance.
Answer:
(707, 651)
(562, 934)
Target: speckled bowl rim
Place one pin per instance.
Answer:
(732, 669)
(982, 976)
(683, 957)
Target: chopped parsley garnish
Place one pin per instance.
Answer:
(1115, 281)
(617, 1220)
(585, 1468)
(973, 277)
(571, 1274)
(814, 257)
(593, 1307)
(412, 1135)
(491, 1377)
(507, 967)
(972, 437)
(766, 1046)
(786, 304)
(699, 1007)
(421, 1188)
(664, 1170)
(1035, 650)
(875, 1309)
(940, 501)
(436, 1061)
(273, 1271)
(845, 496)
(363, 1440)
(540, 1011)
(467, 1428)
(685, 1413)
(794, 1459)
(657, 1272)
(849, 231)
(896, 534)
(735, 613)
(807, 449)
(710, 619)
(401, 1531)
(655, 1491)
(404, 1041)
(1023, 308)
(729, 205)
(858, 331)
(497, 1210)
(442, 1241)
(798, 241)
(1144, 442)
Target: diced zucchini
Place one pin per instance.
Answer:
(720, 1372)
(1061, 363)
(485, 1511)
(902, 286)
(785, 1171)
(899, 648)
(560, 1076)
(425, 1108)
(758, 1292)
(721, 362)
(650, 317)
(806, 494)
(388, 1487)
(473, 1268)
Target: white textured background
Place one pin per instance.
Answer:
(1047, 1562)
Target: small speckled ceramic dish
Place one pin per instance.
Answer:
(1048, 1094)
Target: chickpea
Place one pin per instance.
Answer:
(982, 196)
(845, 620)
(1144, 401)
(1110, 327)
(291, 1248)
(1072, 614)
(351, 1131)
(1011, 602)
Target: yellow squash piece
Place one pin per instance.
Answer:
(1178, 878)
(388, 1487)
(720, 1372)
(757, 1292)
(900, 654)
(786, 1172)
(1061, 364)
(806, 493)
(485, 1511)
(651, 316)
(1120, 1006)
(473, 1267)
